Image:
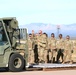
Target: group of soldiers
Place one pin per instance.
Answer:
(43, 49)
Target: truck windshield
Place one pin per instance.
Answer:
(3, 37)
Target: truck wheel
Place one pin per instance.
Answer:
(16, 63)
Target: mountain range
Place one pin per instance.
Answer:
(69, 29)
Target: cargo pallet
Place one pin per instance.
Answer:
(52, 67)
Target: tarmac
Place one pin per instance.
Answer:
(61, 72)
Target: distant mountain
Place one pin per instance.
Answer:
(69, 29)
(38, 24)
(71, 24)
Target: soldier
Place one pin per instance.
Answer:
(33, 38)
(41, 46)
(30, 50)
(60, 47)
(52, 45)
(46, 48)
(39, 40)
(68, 47)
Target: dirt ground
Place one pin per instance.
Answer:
(61, 72)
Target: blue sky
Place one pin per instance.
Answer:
(43, 11)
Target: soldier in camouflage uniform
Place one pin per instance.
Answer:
(46, 48)
(68, 47)
(41, 46)
(60, 47)
(39, 40)
(52, 45)
(33, 38)
(30, 50)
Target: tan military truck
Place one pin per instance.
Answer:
(12, 55)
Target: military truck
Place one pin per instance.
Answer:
(12, 55)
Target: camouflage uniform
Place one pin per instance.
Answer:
(53, 53)
(60, 47)
(68, 47)
(46, 50)
(41, 47)
(33, 40)
(74, 45)
(30, 51)
(49, 51)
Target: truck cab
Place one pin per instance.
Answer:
(12, 55)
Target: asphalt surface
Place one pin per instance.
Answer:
(59, 72)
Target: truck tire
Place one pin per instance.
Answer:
(16, 63)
